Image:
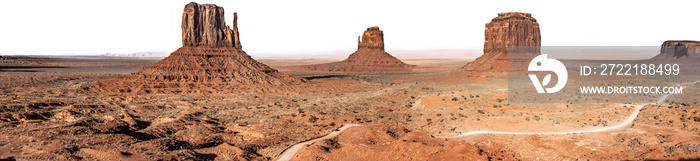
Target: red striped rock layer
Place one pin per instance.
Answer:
(510, 29)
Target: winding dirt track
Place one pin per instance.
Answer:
(608, 128)
(292, 151)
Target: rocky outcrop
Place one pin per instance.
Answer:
(369, 57)
(679, 51)
(204, 25)
(510, 29)
(372, 38)
(210, 61)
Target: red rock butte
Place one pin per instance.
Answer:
(684, 51)
(510, 29)
(209, 61)
(369, 57)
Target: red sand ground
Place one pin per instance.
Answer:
(47, 115)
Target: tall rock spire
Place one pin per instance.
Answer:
(236, 40)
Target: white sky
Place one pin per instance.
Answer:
(282, 27)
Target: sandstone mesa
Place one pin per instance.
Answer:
(683, 51)
(210, 61)
(509, 29)
(369, 57)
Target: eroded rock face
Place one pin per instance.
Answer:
(679, 51)
(369, 57)
(204, 25)
(372, 38)
(509, 29)
(210, 61)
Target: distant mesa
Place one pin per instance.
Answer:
(679, 51)
(369, 57)
(510, 29)
(209, 61)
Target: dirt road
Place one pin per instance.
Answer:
(292, 151)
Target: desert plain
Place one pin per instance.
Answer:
(47, 115)
(210, 100)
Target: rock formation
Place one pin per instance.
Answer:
(510, 29)
(209, 61)
(372, 38)
(369, 57)
(679, 51)
(204, 25)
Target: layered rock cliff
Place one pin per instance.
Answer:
(518, 31)
(204, 25)
(679, 51)
(209, 61)
(372, 38)
(369, 57)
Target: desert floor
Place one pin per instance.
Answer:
(425, 114)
